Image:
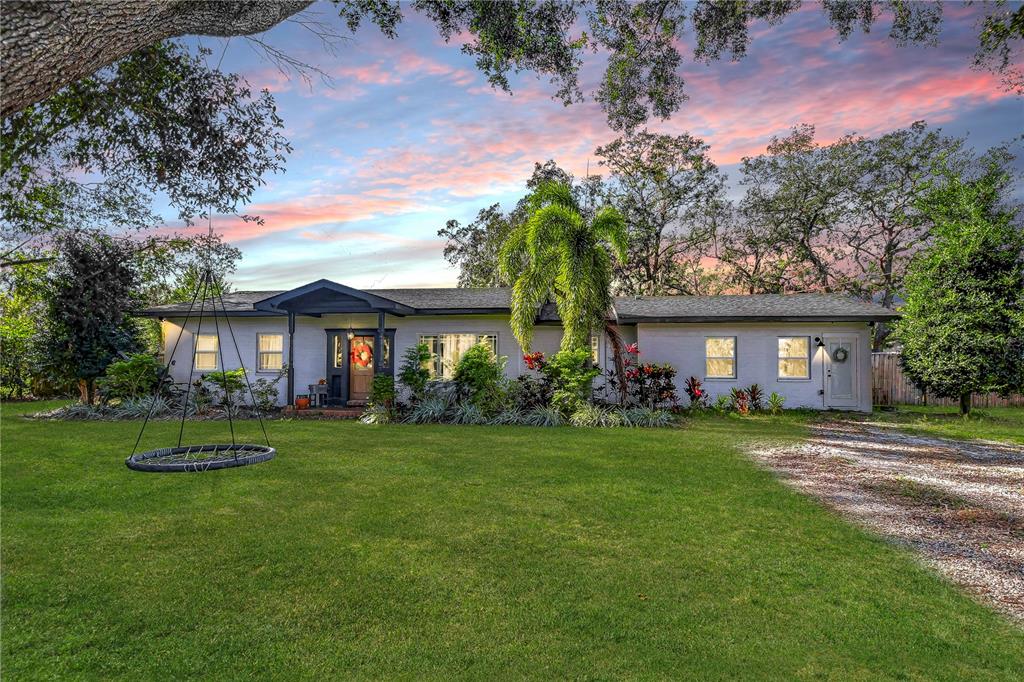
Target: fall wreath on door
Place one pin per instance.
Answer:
(362, 354)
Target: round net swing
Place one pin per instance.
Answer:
(203, 456)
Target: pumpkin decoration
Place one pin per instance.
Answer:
(361, 354)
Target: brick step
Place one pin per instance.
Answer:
(323, 412)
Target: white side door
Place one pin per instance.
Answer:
(841, 374)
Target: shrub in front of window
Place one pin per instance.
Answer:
(775, 402)
(479, 376)
(266, 390)
(200, 398)
(229, 386)
(414, 373)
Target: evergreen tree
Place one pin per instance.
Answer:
(962, 330)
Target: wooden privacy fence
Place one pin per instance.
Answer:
(890, 387)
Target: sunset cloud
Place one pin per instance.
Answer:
(410, 134)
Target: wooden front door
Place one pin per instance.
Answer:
(360, 369)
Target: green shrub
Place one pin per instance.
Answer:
(230, 383)
(132, 378)
(571, 374)
(479, 375)
(265, 392)
(382, 391)
(775, 402)
(413, 373)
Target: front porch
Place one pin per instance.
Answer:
(353, 356)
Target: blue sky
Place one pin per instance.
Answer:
(408, 135)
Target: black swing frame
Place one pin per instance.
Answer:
(179, 458)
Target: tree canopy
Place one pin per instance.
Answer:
(90, 296)
(962, 329)
(666, 187)
(48, 45)
(161, 121)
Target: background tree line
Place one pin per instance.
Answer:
(844, 217)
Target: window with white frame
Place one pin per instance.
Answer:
(720, 357)
(595, 353)
(447, 349)
(206, 352)
(794, 357)
(269, 352)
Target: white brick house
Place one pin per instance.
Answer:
(814, 349)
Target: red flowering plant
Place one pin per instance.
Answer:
(648, 384)
(534, 360)
(696, 393)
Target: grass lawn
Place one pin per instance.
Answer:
(990, 423)
(472, 552)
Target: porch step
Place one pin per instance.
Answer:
(323, 412)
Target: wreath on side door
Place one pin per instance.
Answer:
(362, 354)
(840, 354)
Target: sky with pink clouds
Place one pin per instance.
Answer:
(408, 134)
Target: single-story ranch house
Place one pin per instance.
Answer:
(813, 349)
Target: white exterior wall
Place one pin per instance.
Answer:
(311, 341)
(682, 346)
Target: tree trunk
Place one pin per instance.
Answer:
(87, 391)
(611, 330)
(47, 45)
(965, 404)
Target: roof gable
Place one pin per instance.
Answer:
(325, 296)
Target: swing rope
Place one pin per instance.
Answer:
(203, 457)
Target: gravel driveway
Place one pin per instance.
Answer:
(959, 504)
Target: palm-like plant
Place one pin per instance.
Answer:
(558, 253)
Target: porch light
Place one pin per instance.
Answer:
(818, 342)
(351, 334)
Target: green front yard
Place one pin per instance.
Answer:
(441, 551)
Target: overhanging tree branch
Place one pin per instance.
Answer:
(48, 45)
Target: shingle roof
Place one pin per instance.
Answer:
(756, 307)
(750, 307)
